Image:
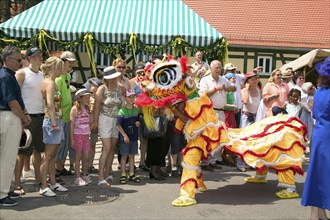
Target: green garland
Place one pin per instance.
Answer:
(218, 50)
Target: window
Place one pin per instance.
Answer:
(266, 63)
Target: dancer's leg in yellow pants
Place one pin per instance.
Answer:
(191, 178)
(286, 179)
(260, 177)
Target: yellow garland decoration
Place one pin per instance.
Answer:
(132, 43)
(217, 50)
(42, 41)
(9, 41)
(177, 44)
(88, 40)
(225, 55)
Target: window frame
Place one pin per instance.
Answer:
(269, 71)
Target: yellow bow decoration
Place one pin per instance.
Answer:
(177, 44)
(42, 41)
(225, 53)
(132, 43)
(88, 40)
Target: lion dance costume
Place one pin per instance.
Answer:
(275, 142)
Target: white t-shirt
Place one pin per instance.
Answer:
(74, 77)
(31, 91)
(238, 98)
(219, 98)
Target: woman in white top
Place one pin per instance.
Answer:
(251, 97)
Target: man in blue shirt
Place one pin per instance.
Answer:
(13, 117)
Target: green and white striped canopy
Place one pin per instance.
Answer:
(155, 22)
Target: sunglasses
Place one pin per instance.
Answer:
(67, 84)
(121, 67)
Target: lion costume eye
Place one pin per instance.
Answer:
(166, 75)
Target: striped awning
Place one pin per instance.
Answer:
(155, 22)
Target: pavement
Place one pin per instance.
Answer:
(227, 197)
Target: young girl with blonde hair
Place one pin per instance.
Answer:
(79, 134)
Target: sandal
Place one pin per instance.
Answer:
(284, 194)
(134, 178)
(253, 179)
(123, 179)
(19, 190)
(183, 201)
(103, 183)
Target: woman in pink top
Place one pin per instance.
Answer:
(275, 92)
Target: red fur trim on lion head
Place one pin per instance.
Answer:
(184, 66)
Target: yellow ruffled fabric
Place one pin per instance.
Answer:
(276, 142)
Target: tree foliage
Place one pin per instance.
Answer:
(10, 8)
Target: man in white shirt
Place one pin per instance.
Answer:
(199, 68)
(216, 87)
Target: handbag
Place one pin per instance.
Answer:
(158, 131)
(251, 117)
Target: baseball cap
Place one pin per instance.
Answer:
(229, 76)
(32, 51)
(67, 55)
(129, 92)
(139, 67)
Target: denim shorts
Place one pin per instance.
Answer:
(49, 135)
(131, 148)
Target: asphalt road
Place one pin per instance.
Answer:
(227, 197)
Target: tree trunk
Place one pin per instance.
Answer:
(5, 10)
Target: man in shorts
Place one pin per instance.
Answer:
(30, 79)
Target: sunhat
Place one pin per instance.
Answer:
(110, 73)
(287, 74)
(82, 92)
(249, 75)
(229, 66)
(95, 82)
(26, 139)
(323, 67)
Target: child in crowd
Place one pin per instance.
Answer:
(94, 133)
(307, 101)
(293, 107)
(79, 133)
(230, 108)
(127, 125)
